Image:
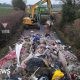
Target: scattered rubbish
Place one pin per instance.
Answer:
(39, 57)
(32, 31)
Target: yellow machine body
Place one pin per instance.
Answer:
(27, 21)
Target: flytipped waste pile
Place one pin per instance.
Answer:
(40, 57)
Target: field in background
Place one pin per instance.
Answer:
(5, 11)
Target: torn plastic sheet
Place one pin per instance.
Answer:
(8, 57)
(18, 50)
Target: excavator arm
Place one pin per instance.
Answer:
(30, 21)
(39, 4)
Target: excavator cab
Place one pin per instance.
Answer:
(43, 14)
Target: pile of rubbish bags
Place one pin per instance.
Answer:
(41, 59)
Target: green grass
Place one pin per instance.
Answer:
(5, 11)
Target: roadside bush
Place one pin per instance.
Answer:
(77, 43)
(68, 13)
(14, 21)
(19, 4)
(78, 14)
(3, 51)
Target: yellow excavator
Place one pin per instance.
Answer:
(31, 20)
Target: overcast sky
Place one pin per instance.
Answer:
(31, 1)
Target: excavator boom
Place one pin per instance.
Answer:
(30, 21)
(39, 4)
